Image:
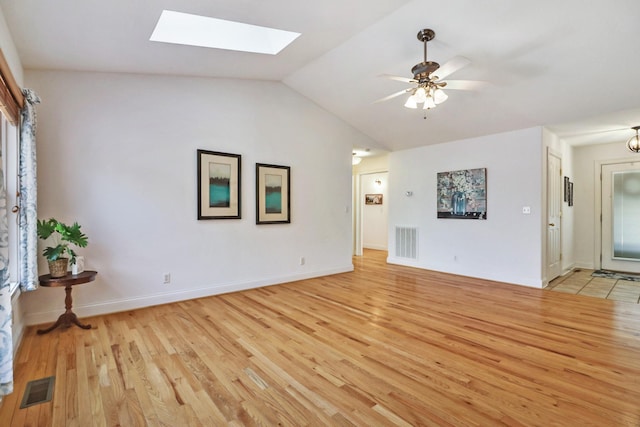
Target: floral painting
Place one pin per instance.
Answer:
(463, 194)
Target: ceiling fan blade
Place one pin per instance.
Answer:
(393, 95)
(465, 84)
(398, 78)
(451, 66)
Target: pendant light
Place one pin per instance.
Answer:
(633, 144)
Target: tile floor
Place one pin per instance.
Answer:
(580, 282)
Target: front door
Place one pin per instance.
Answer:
(621, 217)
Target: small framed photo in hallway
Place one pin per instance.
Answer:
(373, 199)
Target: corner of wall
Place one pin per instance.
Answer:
(10, 52)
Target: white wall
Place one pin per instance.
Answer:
(507, 246)
(117, 153)
(586, 205)
(379, 163)
(10, 52)
(565, 151)
(568, 212)
(375, 218)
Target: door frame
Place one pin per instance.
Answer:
(358, 204)
(597, 223)
(558, 155)
(357, 216)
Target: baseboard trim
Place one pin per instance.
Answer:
(531, 283)
(585, 266)
(375, 247)
(126, 304)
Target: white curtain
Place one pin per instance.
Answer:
(28, 194)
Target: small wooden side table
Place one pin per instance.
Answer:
(68, 317)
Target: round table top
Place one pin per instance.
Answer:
(68, 280)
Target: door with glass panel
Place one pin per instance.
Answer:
(621, 217)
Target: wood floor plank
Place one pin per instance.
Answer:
(383, 345)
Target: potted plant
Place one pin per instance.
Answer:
(63, 235)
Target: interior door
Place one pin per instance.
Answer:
(554, 212)
(620, 217)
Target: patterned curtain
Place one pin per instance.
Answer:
(28, 194)
(28, 236)
(6, 342)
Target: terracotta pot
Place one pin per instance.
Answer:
(58, 268)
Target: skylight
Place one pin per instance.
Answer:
(195, 30)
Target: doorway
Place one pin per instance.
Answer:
(371, 211)
(375, 210)
(620, 229)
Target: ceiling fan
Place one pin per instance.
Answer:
(428, 89)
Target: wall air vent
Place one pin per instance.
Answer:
(407, 242)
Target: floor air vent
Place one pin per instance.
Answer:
(407, 242)
(38, 391)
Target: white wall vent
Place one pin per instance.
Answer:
(407, 242)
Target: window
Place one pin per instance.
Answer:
(11, 101)
(9, 141)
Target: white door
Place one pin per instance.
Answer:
(375, 213)
(621, 217)
(554, 212)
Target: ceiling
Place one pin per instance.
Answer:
(561, 64)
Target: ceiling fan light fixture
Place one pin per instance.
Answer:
(421, 95)
(429, 103)
(426, 83)
(633, 144)
(439, 96)
(411, 102)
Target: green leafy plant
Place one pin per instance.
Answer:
(63, 235)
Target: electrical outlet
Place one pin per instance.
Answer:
(167, 278)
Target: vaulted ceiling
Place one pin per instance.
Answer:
(566, 64)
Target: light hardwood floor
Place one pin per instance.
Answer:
(385, 345)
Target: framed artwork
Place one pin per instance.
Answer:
(373, 199)
(566, 188)
(218, 185)
(570, 196)
(462, 194)
(273, 194)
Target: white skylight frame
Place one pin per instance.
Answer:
(195, 30)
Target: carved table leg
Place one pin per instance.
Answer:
(67, 318)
